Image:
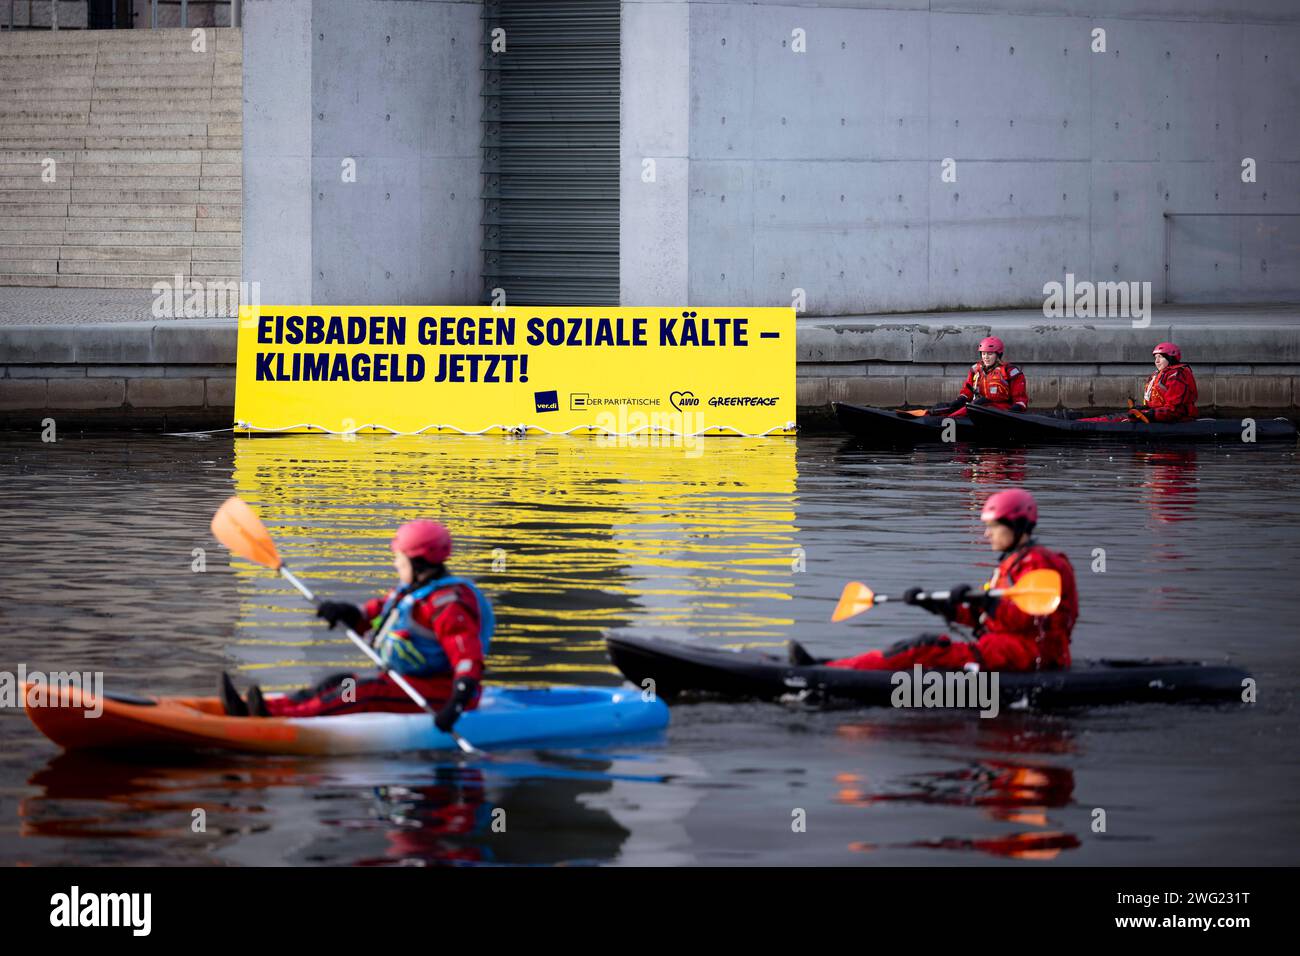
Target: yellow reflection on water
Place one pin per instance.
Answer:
(569, 536)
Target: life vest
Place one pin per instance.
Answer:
(1166, 381)
(1002, 385)
(419, 653)
(1051, 633)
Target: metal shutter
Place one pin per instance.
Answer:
(550, 152)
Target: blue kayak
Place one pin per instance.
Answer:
(505, 717)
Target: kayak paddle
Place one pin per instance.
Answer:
(913, 412)
(239, 529)
(1038, 593)
(1139, 415)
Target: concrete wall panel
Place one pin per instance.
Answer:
(1004, 229)
(1004, 88)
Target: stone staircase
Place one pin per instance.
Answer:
(120, 162)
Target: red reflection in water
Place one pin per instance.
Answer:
(1169, 486)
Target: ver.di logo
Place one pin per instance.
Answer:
(683, 400)
(547, 401)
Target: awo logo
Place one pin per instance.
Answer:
(547, 401)
(683, 400)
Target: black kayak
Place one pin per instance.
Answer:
(679, 668)
(998, 425)
(882, 426)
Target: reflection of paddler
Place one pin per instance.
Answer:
(1170, 489)
(431, 823)
(433, 629)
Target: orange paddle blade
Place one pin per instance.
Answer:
(239, 529)
(1038, 593)
(855, 599)
(914, 412)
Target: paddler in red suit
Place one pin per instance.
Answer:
(433, 628)
(1008, 639)
(1170, 394)
(989, 382)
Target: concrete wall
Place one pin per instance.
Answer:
(821, 170)
(394, 86)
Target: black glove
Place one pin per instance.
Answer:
(975, 600)
(912, 596)
(1018, 407)
(335, 611)
(979, 400)
(466, 688)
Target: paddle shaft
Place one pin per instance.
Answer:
(934, 596)
(369, 651)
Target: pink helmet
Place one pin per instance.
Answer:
(423, 539)
(1169, 351)
(1011, 506)
(992, 344)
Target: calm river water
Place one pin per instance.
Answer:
(743, 543)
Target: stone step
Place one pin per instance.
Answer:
(218, 225)
(121, 267)
(217, 197)
(140, 38)
(110, 85)
(22, 210)
(33, 184)
(149, 114)
(202, 67)
(214, 254)
(215, 211)
(166, 104)
(27, 250)
(147, 58)
(50, 143)
(147, 142)
(104, 281)
(137, 239)
(83, 184)
(29, 237)
(133, 210)
(121, 253)
(215, 270)
(37, 132)
(141, 158)
(232, 170)
(41, 281)
(28, 266)
(164, 98)
(127, 223)
(61, 195)
(145, 172)
(23, 113)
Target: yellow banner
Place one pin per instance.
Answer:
(484, 369)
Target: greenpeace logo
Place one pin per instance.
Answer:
(744, 401)
(75, 908)
(547, 401)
